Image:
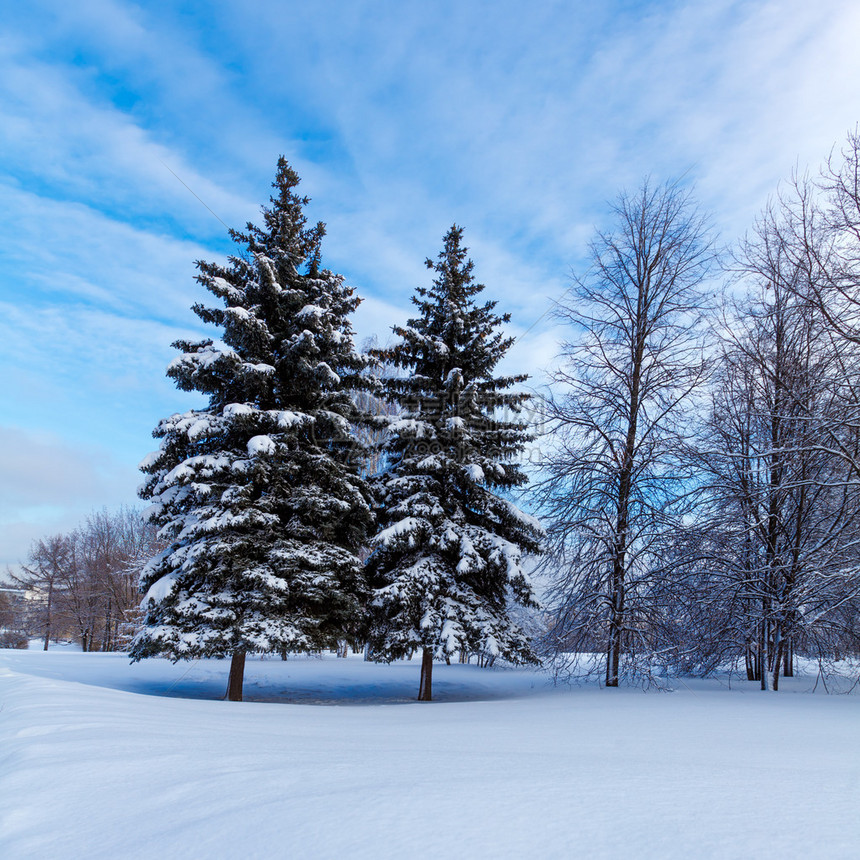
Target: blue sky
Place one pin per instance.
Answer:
(517, 121)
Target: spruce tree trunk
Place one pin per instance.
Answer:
(237, 677)
(425, 690)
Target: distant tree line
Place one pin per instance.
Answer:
(82, 585)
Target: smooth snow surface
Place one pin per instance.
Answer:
(334, 758)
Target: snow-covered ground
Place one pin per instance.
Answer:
(334, 758)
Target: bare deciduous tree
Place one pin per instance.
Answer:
(40, 578)
(783, 521)
(84, 584)
(615, 479)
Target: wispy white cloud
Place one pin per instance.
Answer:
(92, 377)
(68, 146)
(65, 251)
(517, 122)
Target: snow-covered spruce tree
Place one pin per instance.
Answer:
(259, 494)
(447, 561)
